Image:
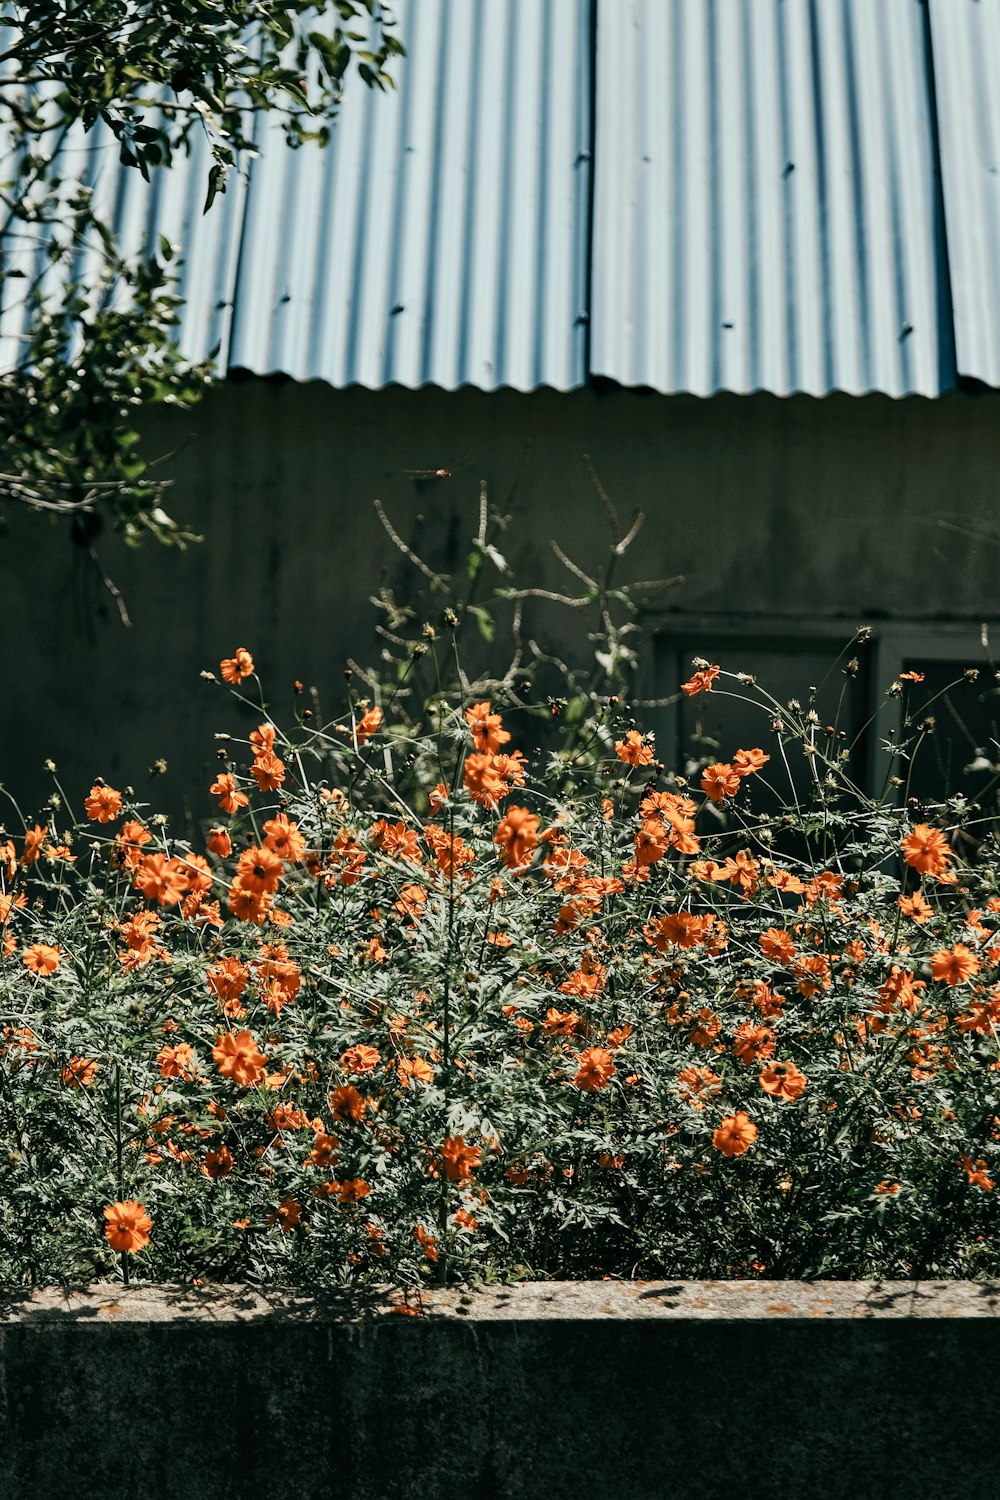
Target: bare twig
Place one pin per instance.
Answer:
(408, 553)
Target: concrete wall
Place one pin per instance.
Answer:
(647, 1391)
(840, 508)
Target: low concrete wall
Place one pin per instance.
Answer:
(653, 1390)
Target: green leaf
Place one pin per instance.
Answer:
(216, 185)
(485, 621)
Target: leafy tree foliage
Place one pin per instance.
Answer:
(96, 344)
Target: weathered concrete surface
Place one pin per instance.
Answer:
(844, 509)
(645, 1389)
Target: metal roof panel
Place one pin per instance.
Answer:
(966, 37)
(766, 205)
(441, 238)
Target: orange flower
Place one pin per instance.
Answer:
(705, 1028)
(40, 958)
(236, 667)
(397, 841)
(954, 965)
(268, 770)
(352, 1190)
(744, 873)
(560, 1022)
(288, 1215)
(720, 781)
(161, 879)
(735, 1134)
(983, 1016)
(366, 726)
(176, 1062)
(287, 1117)
(220, 843)
(634, 749)
(926, 849)
(413, 899)
(511, 769)
(79, 1072)
(753, 1044)
(916, 906)
(428, 1244)
(596, 1069)
(679, 929)
(586, 981)
(218, 1163)
(224, 789)
(34, 838)
(746, 762)
(814, 972)
(128, 1226)
(237, 1057)
(360, 1059)
(900, 989)
(280, 979)
(701, 682)
(458, 1159)
(227, 979)
(782, 1080)
(196, 873)
(103, 805)
(259, 871)
(324, 1151)
(698, 1083)
(347, 1104)
(483, 781)
(487, 728)
(129, 841)
(247, 906)
(784, 880)
(262, 738)
(977, 1173)
(414, 1070)
(651, 843)
(284, 839)
(778, 944)
(517, 837)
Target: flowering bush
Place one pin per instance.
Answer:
(423, 1005)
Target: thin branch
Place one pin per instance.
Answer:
(572, 567)
(111, 587)
(605, 498)
(484, 510)
(622, 547)
(407, 552)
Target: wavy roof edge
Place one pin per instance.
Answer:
(680, 196)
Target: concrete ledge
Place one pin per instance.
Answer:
(666, 1389)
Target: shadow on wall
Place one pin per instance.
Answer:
(842, 508)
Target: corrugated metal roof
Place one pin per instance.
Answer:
(442, 236)
(966, 36)
(170, 204)
(766, 211)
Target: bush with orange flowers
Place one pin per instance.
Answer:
(431, 998)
